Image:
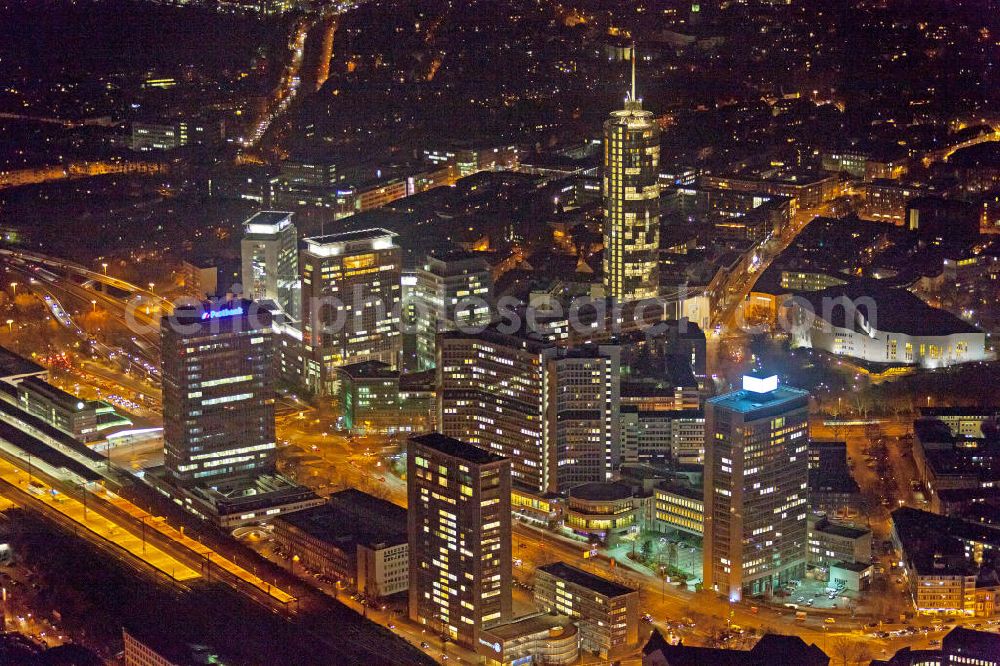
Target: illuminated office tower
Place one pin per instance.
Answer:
(270, 258)
(460, 533)
(452, 289)
(350, 302)
(583, 418)
(492, 393)
(756, 479)
(631, 201)
(218, 393)
(553, 412)
(305, 183)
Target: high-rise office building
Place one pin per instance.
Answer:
(492, 391)
(451, 289)
(552, 411)
(584, 416)
(631, 196)
(218, 393)
(350, 302)
(756, 488)
(460, 537)
(305, 182)
(270, 259)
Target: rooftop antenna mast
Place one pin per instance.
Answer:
(633, 97)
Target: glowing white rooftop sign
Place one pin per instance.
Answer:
(760, 384)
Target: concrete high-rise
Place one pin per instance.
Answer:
(452, 289)
(583, 417)
(270, 261)
(631, 198)
(218, 393)
(756, 488)
(350, 302)
(459, 524)
(492, 390)
(552, 411)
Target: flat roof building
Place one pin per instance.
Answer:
(356, 538)
(270, 261)
(942, 557)
(540, 638)
(831, 542)
(218, 393)
(460, 537)
(552, 411)
(86, 420)
(679, 506)
(350, 302)
(881, 325)
(756, 480)
(606, 613)
(451, 289)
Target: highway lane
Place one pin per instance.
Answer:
(29, 258)
(130, 316)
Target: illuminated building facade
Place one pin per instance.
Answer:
(631, 196)
(584, 415)
(149, 136)
(350, 302)
(452, 289)
(270, 261)
(882, 325)
(607, 614)
(218, 393)
(460, 537)
(491, 393)
(552, 411)
(679, 506)
(305, 183)
(756, 479)
(375, 398)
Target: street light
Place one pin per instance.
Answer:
(151, 285)
(104, 265)
(94, 305)
(13, 288)
(10, 325)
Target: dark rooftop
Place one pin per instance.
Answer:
(456, 448)
(936, 544)
(599, 491)
(770, 650)
(217, 316)
(840, 530)
(58, 396)
(353, 516)
(42, 451)
(851, 566)
(980, 643)
(579, 577)
(980, 155)
(683, 489)
(368, 370)
(12, 364)
(896, 310)
(972, 412)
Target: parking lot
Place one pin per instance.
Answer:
(818, 595)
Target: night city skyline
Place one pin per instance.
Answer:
(500, 332)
